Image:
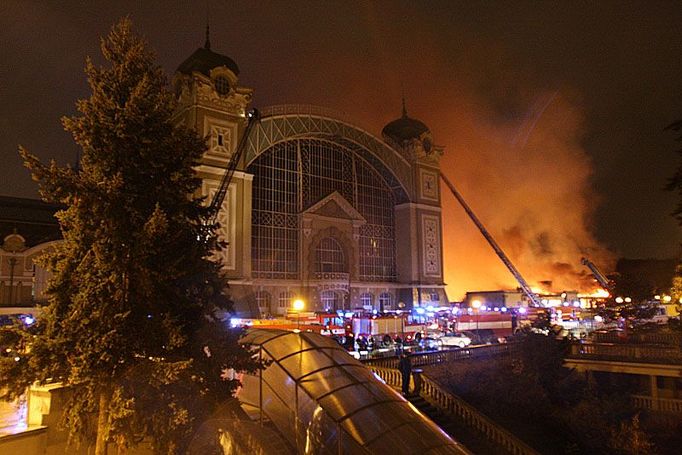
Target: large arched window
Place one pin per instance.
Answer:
(284, 301)
(366, 300)
(263, 301)
(331, 300)
(329, 256)
(293, 175)
(385, 301)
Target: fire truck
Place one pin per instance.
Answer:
(486, 324)
(305, 321)
(395, 326)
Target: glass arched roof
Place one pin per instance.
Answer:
(363, 408)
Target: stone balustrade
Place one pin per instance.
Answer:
(460, 409)
(671, 405)
(627, 352)
(663, 338)
(456, 407)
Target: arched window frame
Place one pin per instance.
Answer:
(329, 256)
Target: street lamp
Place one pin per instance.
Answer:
(476, 305)
(298, 305)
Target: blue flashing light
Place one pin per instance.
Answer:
(420, 310)
(503, 309)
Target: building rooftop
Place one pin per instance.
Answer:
(33, 219)
(204, 60)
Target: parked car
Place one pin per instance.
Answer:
(430, 343)
(455, 339)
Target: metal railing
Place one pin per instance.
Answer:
(657, 404)
(666, 338)
(456, 407)
(451, 355)
(626, 352)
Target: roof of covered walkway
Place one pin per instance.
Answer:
(323, 400)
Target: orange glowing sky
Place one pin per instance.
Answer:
(551, 115)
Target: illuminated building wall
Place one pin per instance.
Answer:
(318, 208)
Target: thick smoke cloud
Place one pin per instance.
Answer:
(533, 195)
(512, 148)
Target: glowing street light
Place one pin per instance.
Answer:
(298, 305)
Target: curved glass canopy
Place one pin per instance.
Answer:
(325, 401)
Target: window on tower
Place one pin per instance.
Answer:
(222, 85)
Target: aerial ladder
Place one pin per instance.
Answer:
(525, 288)
(598, 275)
(252, 118)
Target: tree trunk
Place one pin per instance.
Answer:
(102, 423)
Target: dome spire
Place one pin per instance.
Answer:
(402, 92)
(207, 44)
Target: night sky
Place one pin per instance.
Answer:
(552, 114)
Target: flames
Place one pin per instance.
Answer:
(534, 196)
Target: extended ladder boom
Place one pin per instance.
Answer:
(253, 117)
(503, 257)
(601, 278)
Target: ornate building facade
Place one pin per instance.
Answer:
(318, 208)
(27, 229)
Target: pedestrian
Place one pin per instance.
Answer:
(405, 368)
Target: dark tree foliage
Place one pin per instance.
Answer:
(130, 326)
(550, 407)
(637, 305)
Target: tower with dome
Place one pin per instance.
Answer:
(318, 208)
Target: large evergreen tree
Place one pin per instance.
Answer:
(130, 326)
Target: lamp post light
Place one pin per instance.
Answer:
(476, 305)
(298, 305)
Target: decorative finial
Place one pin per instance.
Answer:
(402, 92)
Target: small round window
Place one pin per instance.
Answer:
(222, 85)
